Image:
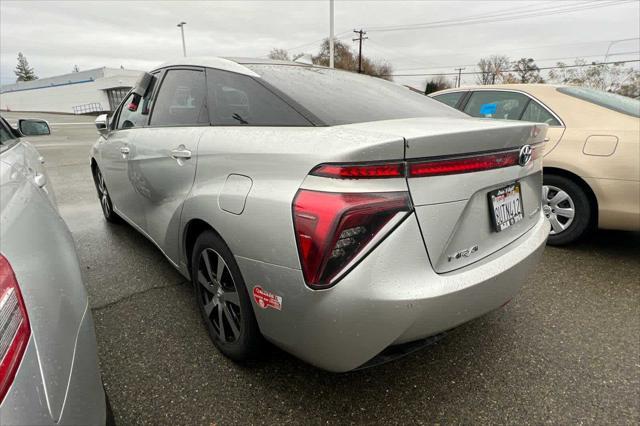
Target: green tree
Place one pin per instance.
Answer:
(527, 71)
(437, 83)
(23, 71)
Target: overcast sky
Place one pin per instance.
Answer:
(55, 36)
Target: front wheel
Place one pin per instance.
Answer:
(567, 207)
(223, 300)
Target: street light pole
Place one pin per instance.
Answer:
(331, 48)
(184, 47)
(606, 55)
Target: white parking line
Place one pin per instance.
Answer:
(71, 124)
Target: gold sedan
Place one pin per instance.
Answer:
(592, 157)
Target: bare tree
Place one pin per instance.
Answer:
(606, 77)
(630, 86)
(437, 83)
(492, 69)
(527, 71)
(279, 54)
(345, 59)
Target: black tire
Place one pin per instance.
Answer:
(104, 197)
(580, 223)
(110, 420)
(223, 299)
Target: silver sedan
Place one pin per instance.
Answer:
(49, 364)
(337, 215)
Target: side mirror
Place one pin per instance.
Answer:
(102, 124)
(33, 127)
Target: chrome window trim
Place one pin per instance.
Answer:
(530, 96)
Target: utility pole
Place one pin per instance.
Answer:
(184, 47)
(459, 74)
(331, 52)
(360, 38)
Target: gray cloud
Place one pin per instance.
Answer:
(56, 35)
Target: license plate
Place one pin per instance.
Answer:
(506, 206)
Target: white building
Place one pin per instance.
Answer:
(95, 90)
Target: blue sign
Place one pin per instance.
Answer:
(488, 109)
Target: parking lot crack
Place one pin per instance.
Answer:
(134, 295)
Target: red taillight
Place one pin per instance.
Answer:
(463, 165)
(360, 171)
(14, 326)
(333, 229)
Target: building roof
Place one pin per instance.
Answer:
(71, 78)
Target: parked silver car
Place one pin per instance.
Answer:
(334, 214)
(48, 357)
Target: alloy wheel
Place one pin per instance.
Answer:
(104, 194)
(218, 295)
(558, 207)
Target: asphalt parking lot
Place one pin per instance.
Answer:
(566, 350)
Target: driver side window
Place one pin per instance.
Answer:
(130, 117)
(135, 111)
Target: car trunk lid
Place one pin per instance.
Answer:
(455, 210)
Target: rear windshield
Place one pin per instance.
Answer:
(342, 97)
(604, 99)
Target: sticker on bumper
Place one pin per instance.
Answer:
(265, 299)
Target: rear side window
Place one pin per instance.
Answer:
(238, 100)
(450, 99)
(181, 100)
(496, 104)
(536, 113)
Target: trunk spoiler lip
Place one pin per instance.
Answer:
(319, 170)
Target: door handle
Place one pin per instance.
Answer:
(40, 180)
(181, 153)
(124, 150)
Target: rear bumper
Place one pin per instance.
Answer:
(393, 296)
(84, 403)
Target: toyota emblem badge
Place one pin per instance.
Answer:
(525, 155)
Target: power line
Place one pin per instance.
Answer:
(537, 60)
(540, 69)
(335, 37)
(485, 15)
(501, 17)
(519, 49)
